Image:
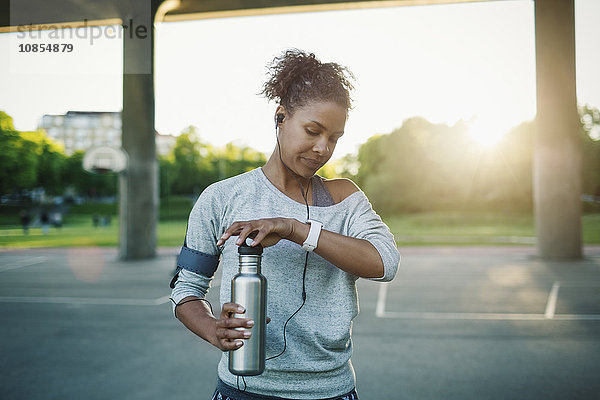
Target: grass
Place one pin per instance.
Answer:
(462, 228)
(413, 229)
(476, 228)
(79, 232)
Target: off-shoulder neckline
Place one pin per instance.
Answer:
(261, 176)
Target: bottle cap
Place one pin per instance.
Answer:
(245, 249)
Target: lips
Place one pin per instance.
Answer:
(312, 163)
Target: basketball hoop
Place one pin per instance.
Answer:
(105, 160)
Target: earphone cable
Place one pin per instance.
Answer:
(293, 175)
(295, 312)
(304, 196)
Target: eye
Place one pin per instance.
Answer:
(311, 133)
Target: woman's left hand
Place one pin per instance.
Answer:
(267, 231)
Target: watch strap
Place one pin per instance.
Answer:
(312, 239)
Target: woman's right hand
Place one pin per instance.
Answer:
(228, 337)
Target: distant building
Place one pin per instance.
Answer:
(81, 130)
(164, 143)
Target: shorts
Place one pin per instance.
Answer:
(226, 392)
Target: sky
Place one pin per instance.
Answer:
(473, 62)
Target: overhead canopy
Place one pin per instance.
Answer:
(103, 12)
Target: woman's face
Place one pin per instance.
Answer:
(309, 135)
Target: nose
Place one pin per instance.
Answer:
(321, 147)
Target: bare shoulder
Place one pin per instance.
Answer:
(340, 188)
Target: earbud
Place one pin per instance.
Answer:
(279, 118)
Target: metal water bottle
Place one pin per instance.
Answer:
(249, 289)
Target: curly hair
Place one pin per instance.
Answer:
(297, 78)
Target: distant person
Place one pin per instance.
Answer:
(57, 220)
(279, 205)
(105, 220)
(45, 221)
(95, 220)
(25, 221)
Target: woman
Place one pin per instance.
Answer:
(310, 358)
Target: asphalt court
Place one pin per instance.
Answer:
(90, 276)
(503, 283)
(457, 323)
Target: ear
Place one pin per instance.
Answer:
(280, 114)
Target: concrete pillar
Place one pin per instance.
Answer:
(557, 151)
(139, 184)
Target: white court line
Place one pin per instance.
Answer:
(381, 297)
(462, 316)
(580, 317)
(488, 316)
(549, 314)
(162, 300)
(23, 263)
(551, 304)
(85, 301)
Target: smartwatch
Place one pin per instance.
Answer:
(313, 235)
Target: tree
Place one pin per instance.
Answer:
(6, 123)
(29, 160)
(18, 158)
(424, 166)
(193, 165)
(165, 172)
(233, 160)
(193, 168)
(590, 133)
(51, 160)
(85, 183)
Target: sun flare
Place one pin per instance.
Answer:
(486, 132)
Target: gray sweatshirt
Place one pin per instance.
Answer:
(316, 363)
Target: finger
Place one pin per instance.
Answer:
(232, 334)
(224, 237)
(271, 231)
(222, 240)
(229, 323)
(227, 345)
(270, 240)
(244, 233)
(268, 320)
(231, 308)
(258, 237)
(231, 231)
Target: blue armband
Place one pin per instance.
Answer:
(195, 261)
